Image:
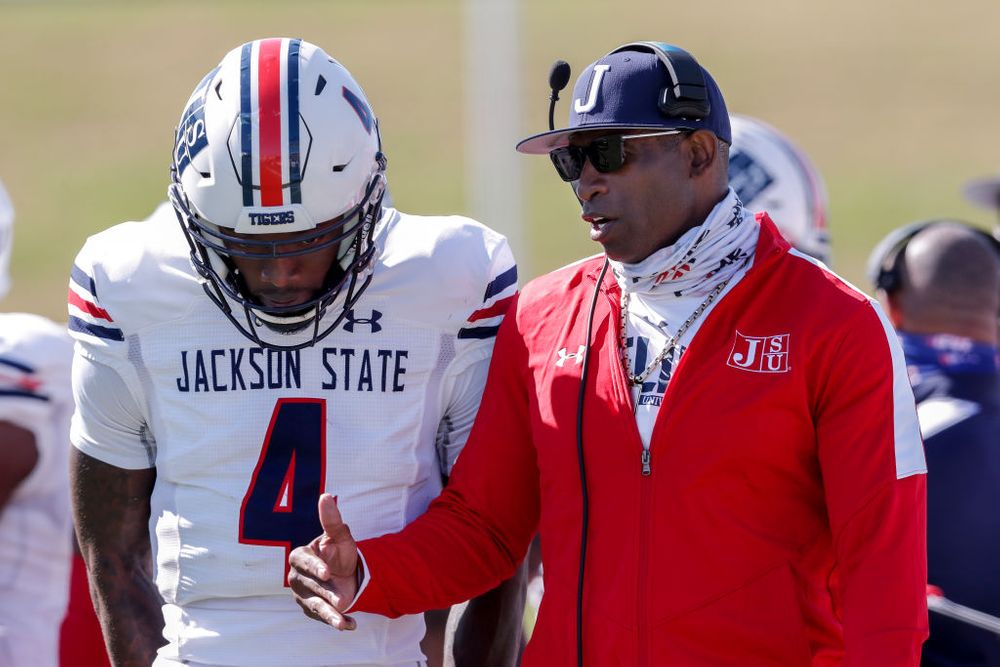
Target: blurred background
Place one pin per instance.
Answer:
(895, 101)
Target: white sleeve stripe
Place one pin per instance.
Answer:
(906, 428)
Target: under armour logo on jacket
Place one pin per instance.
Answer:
(760, 354)
(371, 321)
(564, 355)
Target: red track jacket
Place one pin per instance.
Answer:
(783, 519)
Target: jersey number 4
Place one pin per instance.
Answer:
(279, 508)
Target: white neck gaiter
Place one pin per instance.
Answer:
(665, 289)
(701, 258)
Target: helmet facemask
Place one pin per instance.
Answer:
(350, 274)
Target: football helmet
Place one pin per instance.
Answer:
(279, 138)
(770, 174)
(6, 239)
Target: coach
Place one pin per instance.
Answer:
(713, 434)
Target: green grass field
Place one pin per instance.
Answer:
(897, 102)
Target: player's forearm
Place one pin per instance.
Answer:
(488, 632)
(111, 510)
(129, 609)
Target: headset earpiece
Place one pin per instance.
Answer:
(687, 94)
(885, 266)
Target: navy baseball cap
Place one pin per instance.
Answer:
(622, 91)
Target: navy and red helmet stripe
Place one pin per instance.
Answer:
(269, 92)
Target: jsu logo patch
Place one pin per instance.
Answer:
(565, 355)
(760, 354)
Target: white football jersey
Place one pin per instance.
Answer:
(35, 525)
(244, 439)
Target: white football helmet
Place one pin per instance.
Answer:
(279, 138)
(770, 174)
(6, 240)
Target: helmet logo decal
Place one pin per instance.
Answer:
(269, 122)
(191, 135)
(747, 176)
(360, 108)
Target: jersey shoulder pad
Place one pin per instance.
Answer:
(35, 357)
(129, 277)
(450, 267)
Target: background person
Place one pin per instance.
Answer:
(35, 528)
(940, 281)
(770, 173)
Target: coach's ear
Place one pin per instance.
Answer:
(892, 307)
(703, 148)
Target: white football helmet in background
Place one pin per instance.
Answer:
(279, 139)
(771, 174)
(6, 239)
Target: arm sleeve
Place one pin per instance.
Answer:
(477, 531)
(108, 423)
(466, 377)
(873, 471)
(464, 391)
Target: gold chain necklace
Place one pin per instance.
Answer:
(672, 341)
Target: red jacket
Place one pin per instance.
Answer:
(783, 520)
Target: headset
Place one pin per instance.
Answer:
(885, 264)
(687, 94)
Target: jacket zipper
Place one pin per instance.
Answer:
(642, 597)
(645, 511)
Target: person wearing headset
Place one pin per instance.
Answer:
(712, 433)
(769, 173)
(940, 281)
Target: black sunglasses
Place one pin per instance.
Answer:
(606, 153)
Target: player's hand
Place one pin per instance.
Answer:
(324, 573)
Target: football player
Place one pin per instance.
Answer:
(276, 333)
(769, 173)
(35, 529)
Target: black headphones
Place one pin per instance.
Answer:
(885, 264)
(687, 94)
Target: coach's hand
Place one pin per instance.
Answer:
(324, 573)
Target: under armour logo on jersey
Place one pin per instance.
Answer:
(370, 321)
(595, 84)
(564, 355)
(760, 354)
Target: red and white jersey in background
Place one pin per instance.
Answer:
(35, 525)
(244, 439)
